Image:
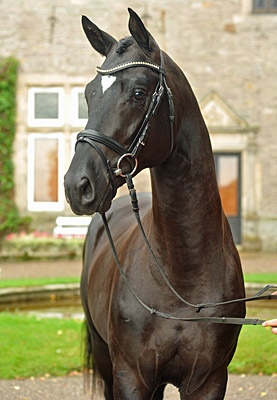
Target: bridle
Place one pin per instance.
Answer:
(92, 137)
(131, 153)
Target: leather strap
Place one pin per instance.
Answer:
(153, 311)
(103, 158)
(217, 320)
(98, 137)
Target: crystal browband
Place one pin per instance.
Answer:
(130, 64)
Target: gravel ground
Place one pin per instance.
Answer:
(71, 388)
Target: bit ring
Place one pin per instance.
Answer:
(119, 170)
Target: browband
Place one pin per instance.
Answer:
(131, 64)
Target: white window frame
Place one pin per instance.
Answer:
(75, 120)
(46, 122)
(45, 205)
(73, 143)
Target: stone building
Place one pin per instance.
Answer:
(228, 51)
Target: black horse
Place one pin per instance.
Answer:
(130, 106)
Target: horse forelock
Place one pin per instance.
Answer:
(124, 43)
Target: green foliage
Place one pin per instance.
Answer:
(32, 346)
(10, 220)
(254, 353)
(261, 278)
(29, 246)
(8, 283)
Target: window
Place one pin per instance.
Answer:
(56, 114)
(79, 107)
(45, 172)
(227, 177)
(264, 6)
(46, 107)
(228, 172)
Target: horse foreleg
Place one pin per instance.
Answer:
(213, 388)
(130, 389)
(159, 394)
(128, 384)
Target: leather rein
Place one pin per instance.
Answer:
(92, 137)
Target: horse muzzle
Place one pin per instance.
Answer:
(81, 193)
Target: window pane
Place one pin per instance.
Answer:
(46, 170)
(264, 6)
(228, 174)
(46, 105)
(260, 4)
(82, 107)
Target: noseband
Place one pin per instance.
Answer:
(131, 153)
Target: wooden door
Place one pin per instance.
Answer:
(228, 172)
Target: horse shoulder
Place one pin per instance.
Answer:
(99, 269)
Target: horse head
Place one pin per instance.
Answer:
(121, 135)
(122, 99)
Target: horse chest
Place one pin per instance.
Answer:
(164, 349)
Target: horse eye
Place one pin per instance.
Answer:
(139, 95)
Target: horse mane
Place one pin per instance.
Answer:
(123, 44)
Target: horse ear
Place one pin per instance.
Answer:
(100, 40)
(141, 35)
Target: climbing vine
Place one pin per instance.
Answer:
(10, 220)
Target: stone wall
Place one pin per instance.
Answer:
(220, 45)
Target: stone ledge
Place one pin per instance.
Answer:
(55, 293)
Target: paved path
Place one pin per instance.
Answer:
(251, 263)
(240, 387)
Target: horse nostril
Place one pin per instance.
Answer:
(86, 191)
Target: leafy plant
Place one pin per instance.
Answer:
(39, 245)
(10, 220)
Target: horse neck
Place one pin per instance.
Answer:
(186, 211)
